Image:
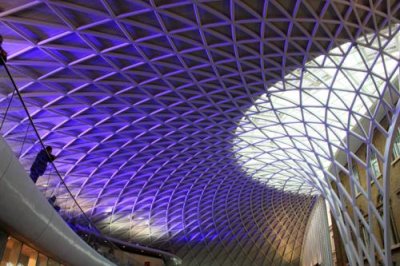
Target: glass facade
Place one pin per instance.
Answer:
(20, 254)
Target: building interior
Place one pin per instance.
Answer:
(199, 132)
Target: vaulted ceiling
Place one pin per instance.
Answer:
(144, 101)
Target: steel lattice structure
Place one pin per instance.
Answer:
(208, 128)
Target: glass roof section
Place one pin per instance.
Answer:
(301, 122)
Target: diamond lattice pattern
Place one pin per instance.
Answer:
(149, 105)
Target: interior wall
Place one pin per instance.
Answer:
(316, 244)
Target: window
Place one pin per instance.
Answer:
(396, 146)
(27, 256)
(374, 164)
(17, 253)
(356, 180)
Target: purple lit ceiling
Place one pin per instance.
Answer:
(141, 101)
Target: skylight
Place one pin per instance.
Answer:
(294, 130)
